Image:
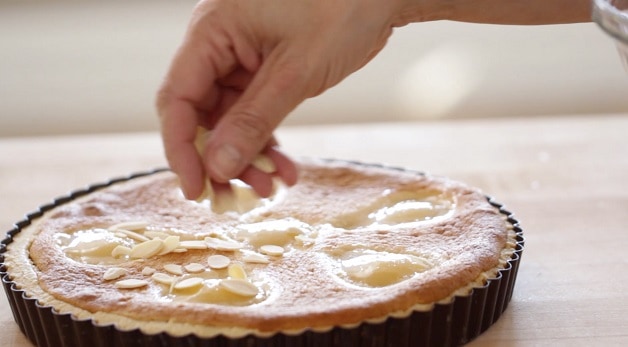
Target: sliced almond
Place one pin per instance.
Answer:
(188, 283)
(152, 234)
(147, 249)
(114, 273)
(132, 235)
(193, 244)
(236, 271)
(255, 258)
(170, 244)
(224, 200)
(304, 240)
(132, 225)
(174, 269)
(222, 245)
(119, 234)
(131, 284)
(148, 271)
(245, 197)
(73, 251)
(120, 251)
(194, 267)
(179, 250)
(207, 194)
(202, 136)
(218, 261)
(272, 250)
(163, 278)
(239, 287)
(264, 164)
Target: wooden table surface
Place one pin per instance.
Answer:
(566, 180)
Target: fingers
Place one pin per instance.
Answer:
(262, 182)
(189, 88)
(178, 130)
(179, 118)
(260, 174)
(285, 168)
(246, 128)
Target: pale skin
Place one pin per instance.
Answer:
(244, 65)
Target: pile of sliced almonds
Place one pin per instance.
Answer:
(237, 281)
(150, 243)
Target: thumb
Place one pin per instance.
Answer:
(248, 126)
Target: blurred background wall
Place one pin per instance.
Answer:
(69, 66)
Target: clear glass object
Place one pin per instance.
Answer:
(612, 17)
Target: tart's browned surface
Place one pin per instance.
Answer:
(462, 246)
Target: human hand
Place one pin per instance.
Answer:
(244, 65)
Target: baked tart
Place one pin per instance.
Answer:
(352, 255)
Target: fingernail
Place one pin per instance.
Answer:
(226, 162)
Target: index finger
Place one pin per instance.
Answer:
(188, 83)
(178, 132)
(189, 91)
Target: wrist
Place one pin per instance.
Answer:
(413, 11)
(521, 12)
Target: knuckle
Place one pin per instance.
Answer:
(252, 124)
